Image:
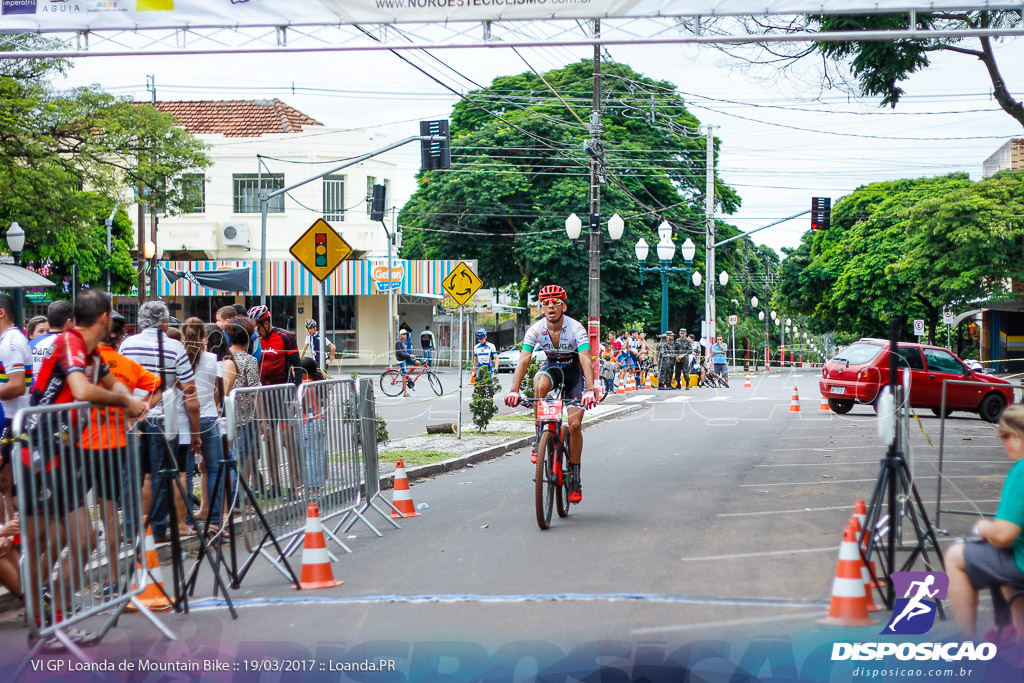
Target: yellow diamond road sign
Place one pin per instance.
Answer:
(462, 283)
(320, 249)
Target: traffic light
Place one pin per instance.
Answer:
(821, 213)
(321, 249)
(435, 154)
(378, 202)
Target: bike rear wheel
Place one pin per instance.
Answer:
(435, 382)
(391, 382)
(544, 483)
(562, 492)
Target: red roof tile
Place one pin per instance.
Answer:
(238, 118)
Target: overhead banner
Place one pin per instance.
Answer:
(98, 15)
(233, 280)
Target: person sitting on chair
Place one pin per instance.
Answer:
(996, 558)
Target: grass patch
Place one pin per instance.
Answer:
(416, 457)
(516, 417)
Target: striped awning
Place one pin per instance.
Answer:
(361, 277)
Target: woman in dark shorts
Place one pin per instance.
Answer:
(996, 557)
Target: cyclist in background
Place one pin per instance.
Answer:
(404, 358)
(565, 340)
(313, 345)
(484, 354)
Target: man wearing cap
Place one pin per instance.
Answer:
(404, 358)
(683, 350)
(485, 355)
(666, 360)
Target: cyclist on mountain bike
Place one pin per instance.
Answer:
(564, 339)
(485, 355)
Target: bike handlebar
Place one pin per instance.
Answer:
(523, 401)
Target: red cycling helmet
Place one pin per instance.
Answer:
(553, 292)
(259, 313)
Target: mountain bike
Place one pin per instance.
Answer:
(714, 379)
(554, 477)
(391, 379)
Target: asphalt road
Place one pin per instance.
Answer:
(708, 513)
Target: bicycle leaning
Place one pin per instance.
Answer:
(391, 379)
(554, 475)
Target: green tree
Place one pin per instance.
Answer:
(907, 248)
(514, 180)
(66, 156)
(482, 406)
(881, 67)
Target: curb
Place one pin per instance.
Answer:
(491, 452)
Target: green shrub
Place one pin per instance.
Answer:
(482, 406)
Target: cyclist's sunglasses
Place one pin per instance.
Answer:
(551, 303)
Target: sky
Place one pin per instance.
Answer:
(783, 139)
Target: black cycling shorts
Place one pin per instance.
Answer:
(570, 375)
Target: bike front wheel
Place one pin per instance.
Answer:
(435, 382)
(544, 482)
(391, 382)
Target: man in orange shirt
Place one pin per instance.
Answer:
(105, 440)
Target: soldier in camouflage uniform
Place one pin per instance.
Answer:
(684, 347)
(666, 360)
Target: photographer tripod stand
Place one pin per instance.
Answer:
(896, 489)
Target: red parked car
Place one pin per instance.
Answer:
(859, 371)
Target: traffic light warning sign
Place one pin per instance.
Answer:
(320, 249)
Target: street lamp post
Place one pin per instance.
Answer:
(666, 249)
(16, 242)
(573, 227)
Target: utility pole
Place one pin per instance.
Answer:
(151, 86)
(709, 256)
(142, 244)
(594, 289)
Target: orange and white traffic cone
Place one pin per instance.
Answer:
(860, 511)
(848, 606)
(746, 382)
(823, 406)
(630, 383)
(869, 599)
(402, 497)
(472, 379)
(316, 563)
(622, 385)
(153, 595)
(647, 381)
(794, 405)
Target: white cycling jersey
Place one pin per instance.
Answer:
(573, 336)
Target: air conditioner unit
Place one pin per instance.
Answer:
(234, 234)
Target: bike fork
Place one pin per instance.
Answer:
(556, 465)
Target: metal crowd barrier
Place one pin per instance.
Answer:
(305, 445)
(271, 463)
(329, 411)
(371, 465)
(79, 499)
(942, 441)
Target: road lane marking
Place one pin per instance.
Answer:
(731, 622)
(767, 553)
(838, 507)
(857, 481)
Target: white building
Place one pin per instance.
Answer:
(271, 145)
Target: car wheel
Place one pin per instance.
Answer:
(938, 413)
(840, 406)
(991, 408)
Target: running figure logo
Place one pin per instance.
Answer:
(914, 613)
